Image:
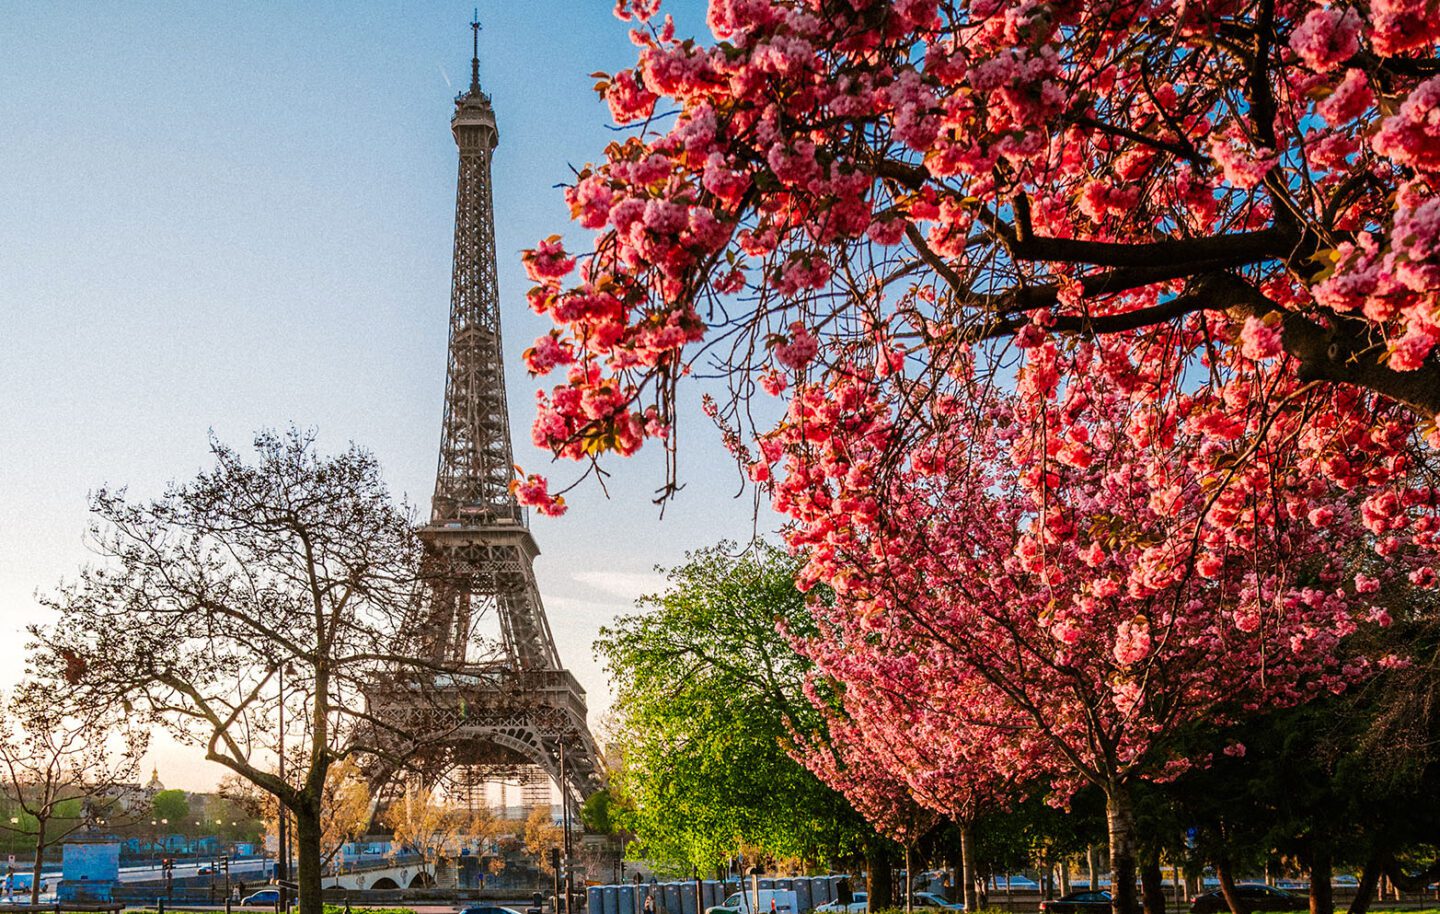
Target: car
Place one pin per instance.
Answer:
(782, 901)
(262, 899)
(1257, 897)
(204, 869)
(487, 909)
(934, 900)
(856, 906)
(1077, 903)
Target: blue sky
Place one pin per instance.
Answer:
(235, 217)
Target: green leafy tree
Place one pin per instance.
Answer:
(596, 814)
(708, 691)
(171, 806)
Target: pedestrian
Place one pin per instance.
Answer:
(649, 904)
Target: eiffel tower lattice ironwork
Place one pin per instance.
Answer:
(514, 707)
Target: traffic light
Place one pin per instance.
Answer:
(225, 864)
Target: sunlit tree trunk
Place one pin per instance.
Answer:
(1120, 821)
(967, 866)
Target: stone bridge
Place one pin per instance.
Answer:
(399, 875)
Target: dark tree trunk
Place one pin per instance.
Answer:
(39, 860)
(1120, 820)
(880, 876)
(1322, 896)
(967, 865)
(307, 846)
(1152, 884)
(1227, 887)
(1365, 891)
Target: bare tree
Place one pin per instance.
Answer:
(251, 611)
(63, 767)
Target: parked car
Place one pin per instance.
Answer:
(934, 900)
(781, 900)
(1257, 897)
(487, 909)
(1077, 903)
(856, 906)
(265, 898)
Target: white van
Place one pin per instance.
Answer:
(739, 903)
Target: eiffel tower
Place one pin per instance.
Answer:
(504, 703)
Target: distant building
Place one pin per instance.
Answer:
(134, 797)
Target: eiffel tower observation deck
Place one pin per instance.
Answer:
(499, 696)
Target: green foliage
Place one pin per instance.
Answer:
(707, 692)
(171, 805)
(595, 813)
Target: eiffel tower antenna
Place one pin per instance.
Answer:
(475, 56)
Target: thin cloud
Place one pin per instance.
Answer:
(627, 585)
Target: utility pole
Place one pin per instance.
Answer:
(565, 825)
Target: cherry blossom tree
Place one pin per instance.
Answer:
(1100, 336)
(901, 739)
(1056, 571)
(846, 761)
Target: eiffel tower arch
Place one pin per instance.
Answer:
(500, 699)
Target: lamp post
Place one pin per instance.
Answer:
(160, 827)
